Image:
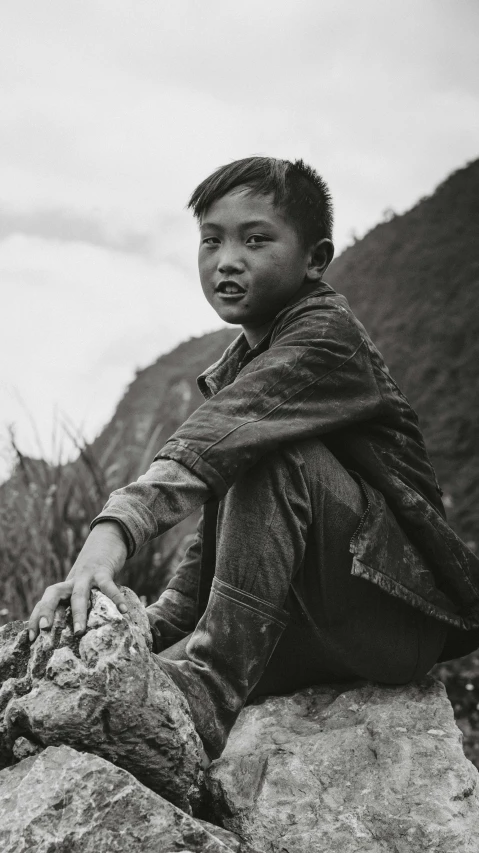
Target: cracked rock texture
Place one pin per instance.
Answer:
(104, 694)
(64, 801)
(358, 768)
(346, 768)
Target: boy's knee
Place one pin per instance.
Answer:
(302, 469)
(324, 474)
(310, 457)
(313, 453)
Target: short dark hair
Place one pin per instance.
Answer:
(297, 189)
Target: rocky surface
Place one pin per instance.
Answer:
(331, 768)
(104, 694)
(366, 768)
(63, 801)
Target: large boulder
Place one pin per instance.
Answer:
(105, 694)
(64, 801)
(356, 768)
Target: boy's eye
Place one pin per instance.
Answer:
(210, 241)
(257, 238)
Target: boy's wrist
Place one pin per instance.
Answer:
(110, 527)
(115, 528)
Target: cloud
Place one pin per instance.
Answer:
(112, 112)
(124, 108)
(70, 227)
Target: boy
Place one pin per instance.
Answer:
(323, 552)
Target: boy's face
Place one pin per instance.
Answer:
(251, 260)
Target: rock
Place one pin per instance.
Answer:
(105, 694)
(24, 748)
(14, 650)
(353, 768)
(14, 658)
(63, 801)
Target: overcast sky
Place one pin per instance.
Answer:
(111, 111)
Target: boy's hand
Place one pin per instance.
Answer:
(99, 561)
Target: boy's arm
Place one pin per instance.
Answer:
(173, 616)
(158, 500)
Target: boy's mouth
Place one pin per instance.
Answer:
(230, 290)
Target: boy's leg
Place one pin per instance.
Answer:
(231, 645)
(291, 517)
(359, 630)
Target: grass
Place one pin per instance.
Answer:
(44, 515)
(45, 512)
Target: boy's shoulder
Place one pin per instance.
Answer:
(316, 311)
(323, 320)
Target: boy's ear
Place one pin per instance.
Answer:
(320, 257)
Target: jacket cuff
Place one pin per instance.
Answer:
(127, 537)
(135, 519)
(179, 451)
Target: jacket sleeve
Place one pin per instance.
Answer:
(315, 377)
(154, 503)
(173, 616)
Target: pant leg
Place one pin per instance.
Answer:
(291, 518)
(361, 628)
(286, 525)
(173, 616)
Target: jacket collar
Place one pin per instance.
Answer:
(224, 371)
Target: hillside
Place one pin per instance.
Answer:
(414, 283)
(154, 405)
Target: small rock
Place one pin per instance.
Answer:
(232, 841)
(24, 748)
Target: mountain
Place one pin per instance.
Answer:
(159, 399)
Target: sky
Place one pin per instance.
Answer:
(112, 111)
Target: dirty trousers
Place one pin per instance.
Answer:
(283, 535)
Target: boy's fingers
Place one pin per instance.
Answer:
(80, 599)
(44, 612)
(109, 588)
(78, 591)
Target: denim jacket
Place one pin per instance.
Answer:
(317, 373)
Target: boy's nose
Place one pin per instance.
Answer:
(230, 263)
